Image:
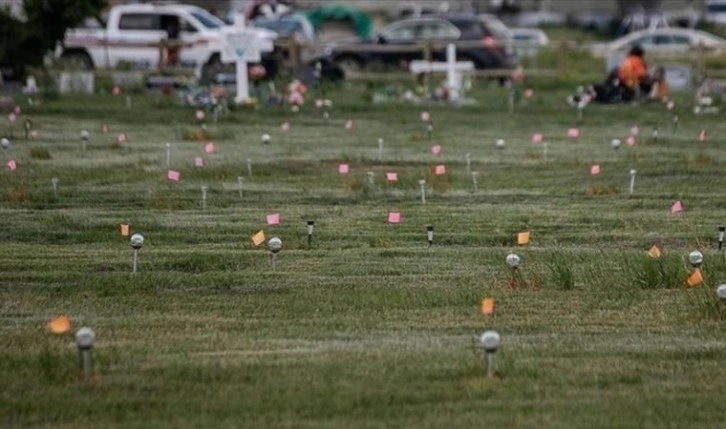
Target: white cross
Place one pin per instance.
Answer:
(452, 68)
(242, 46)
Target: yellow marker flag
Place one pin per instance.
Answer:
(60, 325)
(655, 252)
(695, 278)
(258, 237)
(523, 238)
(125, 229)
(487, 306)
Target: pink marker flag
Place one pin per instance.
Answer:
(528, 93)
(425, 116)
(349, 125)
(630, 141)
(200, 115)
(677, 207)
(440, 170)
(116, 90)
(173, 175)
(199, 161)
(273, 219)
(634, 130)
(343, 169)
(392, 176)
(122, 137)
(12, 117)
(595, 169)
(573, 133)
(436, 149)
(702, 136)
(394, 217)
(209, 148)
(12, 165)
(285, 126)
(537, 138)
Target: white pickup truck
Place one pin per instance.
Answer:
(134, 32)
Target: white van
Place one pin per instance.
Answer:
(716, 12)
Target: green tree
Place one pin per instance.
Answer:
(25, 40)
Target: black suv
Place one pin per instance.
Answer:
(481, 39)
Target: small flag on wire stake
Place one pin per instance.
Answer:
(273, 219)
(258, 237)
(173, 175)
(523, 238)
(394, 217)
(677, 207)
(655, 252)
(487, 307)
(695, 279)
(60, 325)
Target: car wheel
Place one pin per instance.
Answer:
(76, 60)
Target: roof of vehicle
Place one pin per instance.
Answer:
(156, 7)
(702, 35)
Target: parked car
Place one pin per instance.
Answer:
(664, 41)
(715, 12)
(527, 41)
(133, 32)
(395, 41)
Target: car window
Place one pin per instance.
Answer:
(664, 40)
(401, 32)
(187, 27)
(681, 40)
(139, 21)
(645, 42)
(207, 19)
(437, 30)
(472, 30)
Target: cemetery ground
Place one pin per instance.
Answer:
(369, 326)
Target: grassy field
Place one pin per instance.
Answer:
(369, 327)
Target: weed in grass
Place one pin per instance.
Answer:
(561, 273)
(37, 152)
(17, 195)
(706, 304)
(666, 272)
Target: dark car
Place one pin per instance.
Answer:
(480, 39)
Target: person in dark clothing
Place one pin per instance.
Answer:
(171, 25)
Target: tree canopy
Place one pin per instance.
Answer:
(26, 39)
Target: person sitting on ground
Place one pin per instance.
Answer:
(633, 75)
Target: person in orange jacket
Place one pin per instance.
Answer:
(633, 75)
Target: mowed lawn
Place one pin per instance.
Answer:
(368, 327)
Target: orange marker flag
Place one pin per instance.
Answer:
(695, 278)
(59, 325)
(258, 237)
(487, 306)
(655, 252)
(125, 229)
(523, 238)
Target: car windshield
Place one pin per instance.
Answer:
(207, 19)
(717, 8)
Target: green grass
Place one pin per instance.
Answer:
(369, 327)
